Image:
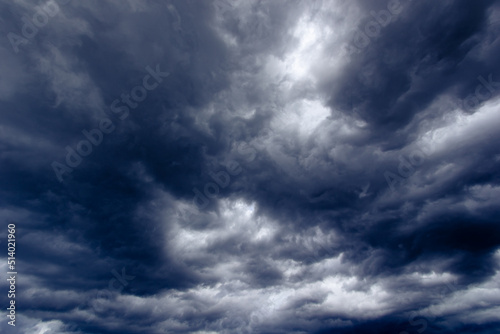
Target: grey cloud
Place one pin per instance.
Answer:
(308, 235)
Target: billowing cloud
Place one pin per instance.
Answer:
(251, 166)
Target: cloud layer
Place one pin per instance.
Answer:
(252, 166)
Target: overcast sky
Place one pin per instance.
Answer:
(287, 166)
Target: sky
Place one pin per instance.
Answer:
(245, 166)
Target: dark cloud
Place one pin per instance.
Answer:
(304, 166)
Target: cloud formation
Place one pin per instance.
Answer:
(305, 166)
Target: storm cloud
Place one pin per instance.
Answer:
(289, 166)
